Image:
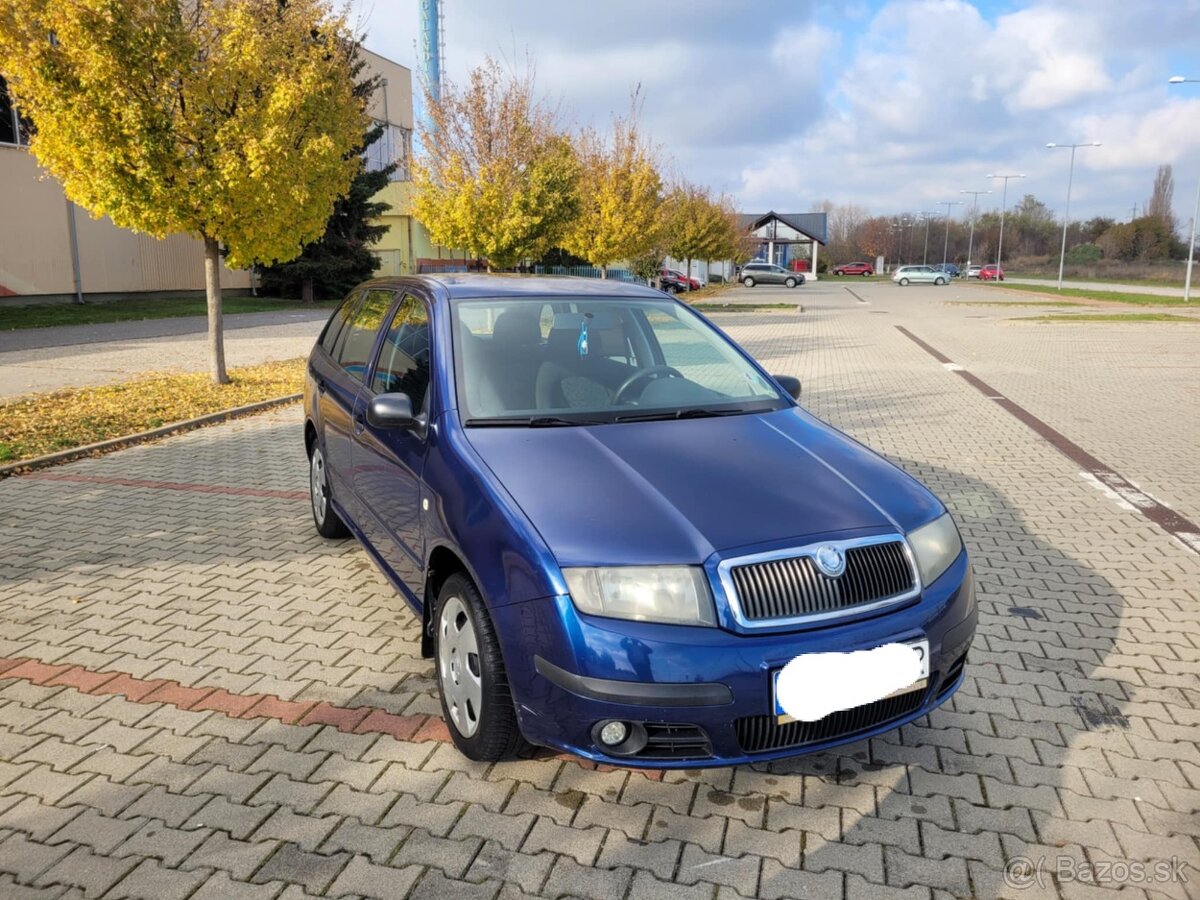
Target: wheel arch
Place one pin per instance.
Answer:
(443, 562)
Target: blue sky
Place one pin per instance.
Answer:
(892, 104)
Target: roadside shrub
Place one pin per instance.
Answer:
(1082, 254)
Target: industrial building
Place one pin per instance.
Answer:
(52, 249)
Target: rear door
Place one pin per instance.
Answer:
(338, 389)
(388, 462)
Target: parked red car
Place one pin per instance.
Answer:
(854, 268)
(991, 273)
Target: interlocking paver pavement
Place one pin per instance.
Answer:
(199, 698)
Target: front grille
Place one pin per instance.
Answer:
(758, 734)
(790, 588)
(675, 741)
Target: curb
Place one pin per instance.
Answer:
(65, 456)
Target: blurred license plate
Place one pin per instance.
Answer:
(921, 646)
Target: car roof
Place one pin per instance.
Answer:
(456, 286)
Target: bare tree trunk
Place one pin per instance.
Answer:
(603, 272)
(687, 274)
(306, 290)
(216, 331)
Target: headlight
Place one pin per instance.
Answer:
(935, 546)
(678, 595)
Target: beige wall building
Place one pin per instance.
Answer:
(50, 248)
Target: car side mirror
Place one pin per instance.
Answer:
(390, 411)
(789, 384)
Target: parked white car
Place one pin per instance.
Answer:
(919, 275)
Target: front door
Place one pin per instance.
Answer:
(388, 462)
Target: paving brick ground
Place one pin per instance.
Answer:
(201, 699)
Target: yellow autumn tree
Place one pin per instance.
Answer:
(620, 192)
(697, 226)
(495, 175)
(229, 120)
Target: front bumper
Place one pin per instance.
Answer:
(704, 694)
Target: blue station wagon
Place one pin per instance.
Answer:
(618, 529)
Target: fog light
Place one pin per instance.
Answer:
(613, 733)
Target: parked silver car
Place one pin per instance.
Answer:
(919, 275)
(767, 273)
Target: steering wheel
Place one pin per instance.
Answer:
(644, 375)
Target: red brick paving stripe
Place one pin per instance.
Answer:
(177, 695)
(402, 728)
(339, 717)
(271, 707)
(170, 485)
(82, 679)
(233, 705)
(34, 671)
(134, 689)
(359, 720)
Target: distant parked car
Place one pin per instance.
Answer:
(973, 271)
(949, 268)
(672, 282)
(855, 268)
(696, 283)
(919, 275)
(991, 273)
(766, 273)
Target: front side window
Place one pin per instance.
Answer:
(600, 361)
(353, 350)
(403, 365)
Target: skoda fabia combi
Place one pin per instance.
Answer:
(624, 538)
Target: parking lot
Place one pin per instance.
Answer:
(200, 698)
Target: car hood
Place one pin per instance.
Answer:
(676, 491)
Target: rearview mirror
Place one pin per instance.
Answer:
(390, 411)
(789, 384)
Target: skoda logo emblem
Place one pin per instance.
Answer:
(831, 561)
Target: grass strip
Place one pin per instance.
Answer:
(1107, 296)
(1113, 317)
(59, 420)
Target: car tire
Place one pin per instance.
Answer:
(328, 523)
(903, 282)
(472, 683)
(748, 282)
(939, 281)
(790, 283)
(866, 274)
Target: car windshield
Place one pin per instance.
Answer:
(569, 361)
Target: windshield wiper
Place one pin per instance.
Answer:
(530, 422)
(699, 413)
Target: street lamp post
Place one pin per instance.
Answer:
(925, 255)
(974, 210)
(1003, 210)
(1187, 279)
(946, 239)
(898, 228)
(1062, 254)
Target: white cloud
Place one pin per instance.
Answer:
(892, 105)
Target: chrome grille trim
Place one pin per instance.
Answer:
(784, 587)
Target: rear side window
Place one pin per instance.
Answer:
(337, 322)
(404, 357)
(353, 349)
